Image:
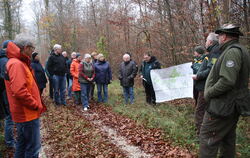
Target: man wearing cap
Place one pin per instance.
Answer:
(228, 77)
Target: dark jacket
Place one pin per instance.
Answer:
(229, 75)
(146, 67)
(4, 110)
(68, 63)
(39, 74)
(197, 63)
(206, 66)
(57, 65)
(103, 72)
(127, 73)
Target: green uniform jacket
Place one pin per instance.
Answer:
(206, 66)
(226, 78)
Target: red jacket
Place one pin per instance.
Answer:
(75, 73)
(22, 91)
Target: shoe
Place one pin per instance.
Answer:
(85, 109)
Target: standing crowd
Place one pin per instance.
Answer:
(221, 77)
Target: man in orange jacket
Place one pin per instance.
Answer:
(24, 97)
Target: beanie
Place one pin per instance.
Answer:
(200, 49)
(34, 55)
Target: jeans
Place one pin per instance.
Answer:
(70, 88)
(59, 89)
(28, 139)
(102, 88)
(128, 93)
(8, 131)
(85, 87)
(77, 97)
(51, 87)
(92, 89)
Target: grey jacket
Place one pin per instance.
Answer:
(127, 73)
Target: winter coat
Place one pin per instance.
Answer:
(197, 63)
(86, 70)
(103, 72)
(74, 71)
(68, 63)
(57, 65)
(127, 73)
(3, 99)
(39, 74)
(146, 67)
(206, 67)
(22, 91)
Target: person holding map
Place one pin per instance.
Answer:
(227, 94)
(149, 63)
(198, 58)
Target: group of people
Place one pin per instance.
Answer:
(221, 77)
(81, 74)
(221, 73)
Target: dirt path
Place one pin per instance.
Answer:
(71, 132)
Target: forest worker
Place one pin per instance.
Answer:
(227, 81)
(198, 58)
(149, 63)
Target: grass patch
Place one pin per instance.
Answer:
(177, 121)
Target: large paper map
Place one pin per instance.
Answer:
(173, 83)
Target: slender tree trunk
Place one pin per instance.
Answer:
(8, 25)
(172, 30)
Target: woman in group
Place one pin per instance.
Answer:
(74, 71)
(103, 78)
(39, 72)
(86, 77)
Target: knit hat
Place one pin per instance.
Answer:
(99, 56)
(87, 56)
(5, 43)
(200, 49)
(78, 54)
(34, 55)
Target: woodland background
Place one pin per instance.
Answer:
(168, 28)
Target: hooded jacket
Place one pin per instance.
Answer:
(74, 71)
(22, 91)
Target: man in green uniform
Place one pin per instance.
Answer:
(228, 76)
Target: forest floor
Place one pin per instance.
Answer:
(119, 130)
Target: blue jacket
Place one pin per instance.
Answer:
(39, 74)
(103, 72)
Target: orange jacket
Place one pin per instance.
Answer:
(74, 70)
(22, 91)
